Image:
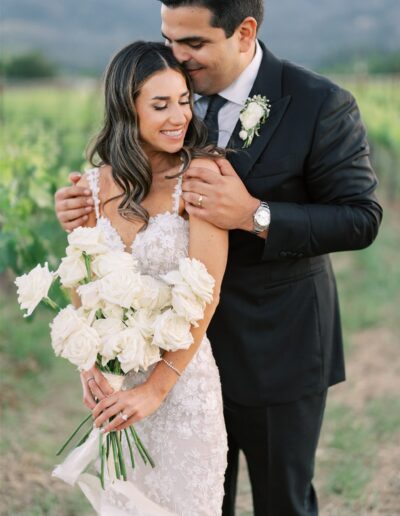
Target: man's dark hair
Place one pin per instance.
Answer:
(226, 14)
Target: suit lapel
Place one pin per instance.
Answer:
(269, 84)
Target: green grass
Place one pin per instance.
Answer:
(369, 280)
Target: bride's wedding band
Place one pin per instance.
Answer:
(91, 378)
(124, 417)
(200, 201)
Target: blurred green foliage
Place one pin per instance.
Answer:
(44, 135)
(32, 65)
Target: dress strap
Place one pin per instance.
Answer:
(176, 195)
(93, 176)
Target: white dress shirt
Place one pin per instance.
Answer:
(236, 95)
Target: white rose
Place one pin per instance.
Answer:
(143, 320)
(88, 240)
(67, 321)
(173, 277)
(104, 264)
(90, 295)
(187, 304)
(81, 347)
(122, 289)
(33, 287)
(72, 270)
(111, 310)
(243, 134)
(151, 356)
(132, 345)
(108, 327)
(196, 276)
(154, 294)
(252, 115)
(107, 330)
(172, 332)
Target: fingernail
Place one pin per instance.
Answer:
(89, 201)
(85, 217)
(88, 208)
(87, 192)
(102, 430)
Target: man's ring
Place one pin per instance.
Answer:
(124, 417)
(91, 378)
(200, 201)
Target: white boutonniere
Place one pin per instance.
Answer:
(254, 113)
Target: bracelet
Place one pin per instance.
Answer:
(171, 365)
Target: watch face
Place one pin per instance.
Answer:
(263, 218)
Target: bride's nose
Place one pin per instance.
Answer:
(177, 115)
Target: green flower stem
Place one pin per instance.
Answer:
(87, 264)
(74, 434)
(142, 446)
(102, 451)
(115, 455)
(134, 436)
(108, 445)
(84, 438)
(121, 456)
(52, 304)
(130, 448)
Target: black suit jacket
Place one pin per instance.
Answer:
(276, 334)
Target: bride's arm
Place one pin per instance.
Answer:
(208, 244)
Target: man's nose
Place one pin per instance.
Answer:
(180, 53)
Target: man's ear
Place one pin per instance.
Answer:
(247, 32)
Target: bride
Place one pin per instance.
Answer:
(149, 137)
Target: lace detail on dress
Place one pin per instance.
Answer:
(93, 179)
(186, 435)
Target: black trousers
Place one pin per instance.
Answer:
(279, 443)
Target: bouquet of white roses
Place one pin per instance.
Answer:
(125, 321)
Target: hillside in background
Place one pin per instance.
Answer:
(80, 35)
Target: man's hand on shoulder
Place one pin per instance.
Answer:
(73, 203)
(221, 199)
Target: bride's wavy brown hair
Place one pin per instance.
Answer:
(118, 143)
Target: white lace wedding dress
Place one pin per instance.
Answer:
(186, 436)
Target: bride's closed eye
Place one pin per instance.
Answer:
(160, 108)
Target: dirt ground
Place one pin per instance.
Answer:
(373, 372)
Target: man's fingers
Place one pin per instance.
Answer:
(71, 191)
(74, 177)
(200, 213)
(204, 174)
(199, 201)
(70, 226)
(73, 203)
(72, 215)
(196, 186)
(225, 167)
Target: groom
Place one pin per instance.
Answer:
(302, 189)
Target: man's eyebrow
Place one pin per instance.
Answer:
(160, 97)
(188, 39)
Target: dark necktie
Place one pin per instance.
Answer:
(211, 119)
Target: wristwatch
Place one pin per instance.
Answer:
(261, 218)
